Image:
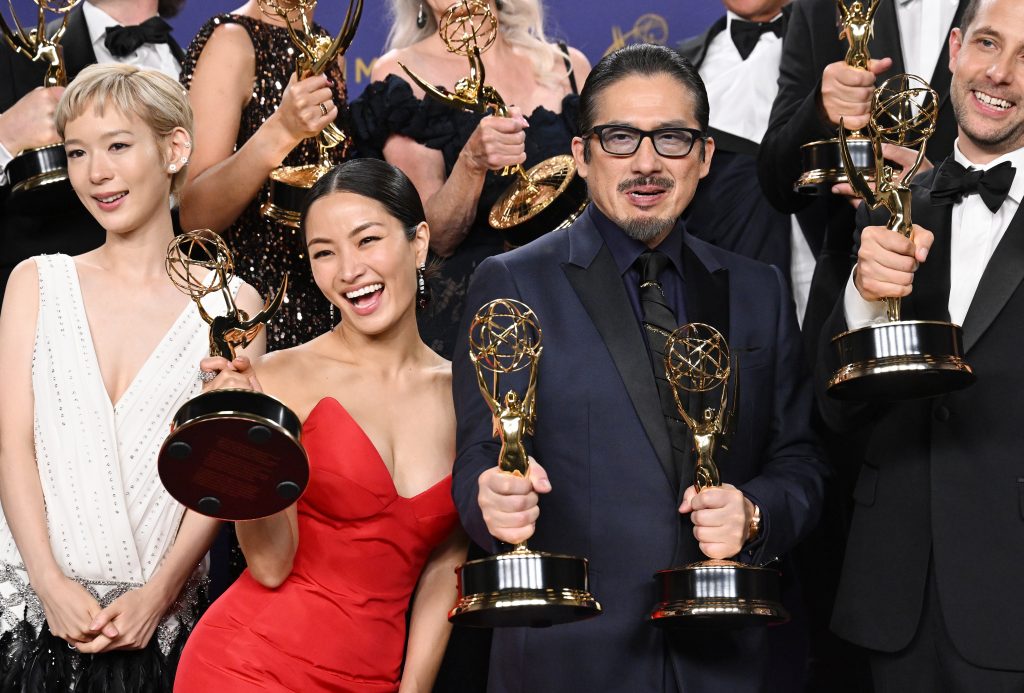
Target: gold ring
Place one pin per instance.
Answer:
(323, 108)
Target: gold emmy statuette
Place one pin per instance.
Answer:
(289, 184)
(232, 454)
(712, 593)
(899, 359)
(822, 163)
(34, 168)
(521, 587)
(550, 195)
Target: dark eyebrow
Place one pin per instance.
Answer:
(353, 232)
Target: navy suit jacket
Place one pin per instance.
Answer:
(601, 436)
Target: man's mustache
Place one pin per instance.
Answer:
(656, 181)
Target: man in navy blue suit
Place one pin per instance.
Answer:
(608, 479)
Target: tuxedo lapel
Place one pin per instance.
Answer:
(707, 291)
(176, 51)
(696, 49)
(1002, 276)
(78, 51)
(598, 284)
(930, 298)
(886, 43)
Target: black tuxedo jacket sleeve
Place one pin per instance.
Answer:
(812, 42)
(601, 436)
(943, 479)
(56, 224)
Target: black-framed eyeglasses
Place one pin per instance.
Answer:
(622, 140)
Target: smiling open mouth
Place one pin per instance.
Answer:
(993, 101)
(364, 295)
(111, 198)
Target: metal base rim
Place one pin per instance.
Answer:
(280, 215)
(39, 181)
(724, 613)
(524, 608)
(928, 366)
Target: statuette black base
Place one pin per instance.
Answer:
(34, 168)
(523, 588)
(560, 197)
(234, 455)
(900, 360)
(718, 594)
(289, 186)
(823, 164)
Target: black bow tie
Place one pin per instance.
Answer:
(125, 40)
(745, 35)
(953, 183)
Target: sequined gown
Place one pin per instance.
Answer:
(338, 621)
(109, 519)
(388, 107)
(265, 250)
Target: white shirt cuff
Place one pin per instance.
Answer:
(5, 158)
(860, 312)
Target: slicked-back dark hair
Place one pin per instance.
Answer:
(376, 180)
(647, 60)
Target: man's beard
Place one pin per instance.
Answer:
(645, 229)
(1005, 140)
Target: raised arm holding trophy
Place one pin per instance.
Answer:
(548, 196)
(232, 454)
(716, 593)
(897, 359)
(520, 587)
(40, 166)
(823, 165)
(289, 184)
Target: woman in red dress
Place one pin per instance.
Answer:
(322, 605)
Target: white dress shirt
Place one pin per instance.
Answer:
(741, 93)
(156, 57)
(975, 233)
(924, 30)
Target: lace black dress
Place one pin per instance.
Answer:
(388, 108)
(265, 250)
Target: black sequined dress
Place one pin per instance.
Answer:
(265, 250)
(388, 108)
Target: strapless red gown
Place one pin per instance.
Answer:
(338, 623)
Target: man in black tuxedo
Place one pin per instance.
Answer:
(51, 219)
(931, 580)
(616, 481)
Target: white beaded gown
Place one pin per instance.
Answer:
(109, 518)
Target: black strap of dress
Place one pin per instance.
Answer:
(564, 47)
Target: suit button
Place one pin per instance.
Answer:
(942, 413)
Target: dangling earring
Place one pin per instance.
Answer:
(421, 17)
(499, 4)
(422, 295)
(333, 322)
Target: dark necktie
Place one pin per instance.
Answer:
(953, 183)
(745, 35)
(125, 40)
(659, 321)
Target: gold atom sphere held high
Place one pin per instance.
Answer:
(697, 358)
(904, 111)
(466, 25)
(199, 249)
(505, 336)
